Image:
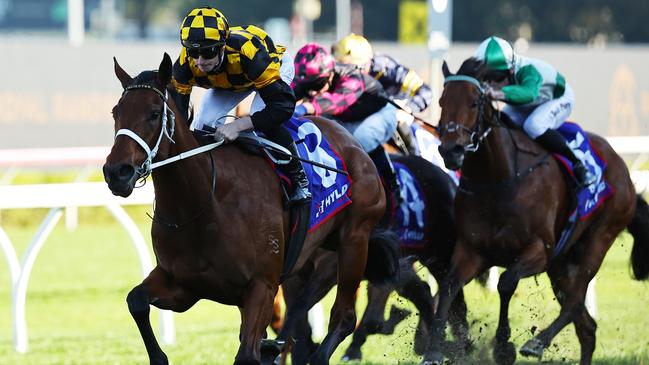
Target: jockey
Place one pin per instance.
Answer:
(343, 93)
(402, 84)
(231, 62)
(537, 96)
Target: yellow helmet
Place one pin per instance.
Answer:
(204, 26)
(354, 49)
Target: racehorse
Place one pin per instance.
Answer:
(305, 290)
(511, 207)
(219, 227)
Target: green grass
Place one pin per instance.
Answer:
(77, 314)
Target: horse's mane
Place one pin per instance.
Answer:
(150, 77)
(477, 69)
(473, 67)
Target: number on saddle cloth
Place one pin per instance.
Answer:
(331, 190)
(409, 219)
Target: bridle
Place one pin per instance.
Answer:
(168, 117)
(168, 124)
(482, 127)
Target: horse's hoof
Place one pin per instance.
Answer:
(504, 353)
(352, 354)
(533, 347)
(434, 358)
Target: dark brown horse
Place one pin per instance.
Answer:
(219, 228)
(315, 281)
(511, 207)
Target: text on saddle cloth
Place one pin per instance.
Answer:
(331, 190)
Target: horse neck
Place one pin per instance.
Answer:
(180, 179)
(495, 160)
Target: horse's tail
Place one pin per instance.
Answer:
(382, 257)
(639, 229)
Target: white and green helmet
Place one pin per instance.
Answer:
(496, 52)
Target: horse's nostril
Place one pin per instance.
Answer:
(125, 172)
(119, 173)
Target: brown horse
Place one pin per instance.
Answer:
(219, 228)
(315, 281)
(511, 207)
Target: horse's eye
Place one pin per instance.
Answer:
(154, 115)
(474, 104)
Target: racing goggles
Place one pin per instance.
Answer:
(207, 52)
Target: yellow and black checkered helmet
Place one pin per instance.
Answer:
(204, 27)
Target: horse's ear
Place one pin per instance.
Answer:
(445, 69)
(164, 71)
(123, 77)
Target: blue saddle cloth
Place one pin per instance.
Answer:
(331, 190)
(590, 197)
(411, 214)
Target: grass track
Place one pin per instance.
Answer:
(77, 314)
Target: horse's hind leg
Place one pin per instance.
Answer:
(352, 258)
(585, 326)
(570, 283)
(256, 315)
(371, 322)
(157, 290)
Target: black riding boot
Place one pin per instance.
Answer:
(554, 142)
(295, 172)
(386, 170)
(408, 138)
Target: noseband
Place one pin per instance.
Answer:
(475, 135)
(168, 117)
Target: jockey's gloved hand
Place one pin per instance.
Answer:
(494, 94)
(299, 111)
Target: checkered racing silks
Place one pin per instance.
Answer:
(204, 26)
(252, 61)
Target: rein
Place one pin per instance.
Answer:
(476, 138)
(166, 130)
(167, 116)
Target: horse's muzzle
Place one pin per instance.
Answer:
(453, 155)
(120, 178)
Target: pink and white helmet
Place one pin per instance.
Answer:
(312, 63)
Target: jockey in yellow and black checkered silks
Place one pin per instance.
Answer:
(231, 62)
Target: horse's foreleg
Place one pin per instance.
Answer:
(371, 322)
(156, 290)
(532, 261)
(256, 314)
(352, 258)
(465, 264)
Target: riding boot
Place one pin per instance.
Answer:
(296, 174)
(386, 171)
(554, 142)
(408, 138)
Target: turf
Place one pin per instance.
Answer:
(77, 314)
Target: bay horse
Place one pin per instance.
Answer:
(511, 207)
(315, 281)
(219, 227)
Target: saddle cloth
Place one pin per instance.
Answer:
(410, 216)
(331, 190)
(590, 197)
